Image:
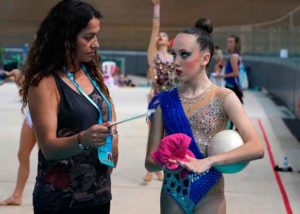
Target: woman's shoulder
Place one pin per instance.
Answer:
(162, 98)
(47, 80)
(46, 85)
(221, 91)
(165, 94)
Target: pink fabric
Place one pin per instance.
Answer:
(174, 147)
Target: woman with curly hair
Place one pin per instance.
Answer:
(70, 108)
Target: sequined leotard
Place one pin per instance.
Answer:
(202, 120)
(164, 77)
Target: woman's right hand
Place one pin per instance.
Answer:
(94, 136)
(155, 2)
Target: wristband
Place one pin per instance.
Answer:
(156, 11)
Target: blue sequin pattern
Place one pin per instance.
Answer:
(186, 188)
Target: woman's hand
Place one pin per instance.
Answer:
(11, 76)
(219, 75)
(195, 165)
(94, 136)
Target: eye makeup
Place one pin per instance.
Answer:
(184, 54)
(89, 36)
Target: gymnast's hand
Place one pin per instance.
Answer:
(195, 165)
(94, 136)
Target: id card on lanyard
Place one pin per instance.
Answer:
(105, 151)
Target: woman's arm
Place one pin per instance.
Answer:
(115, 147)
(43, 103)
(251, 150)
(155, 135)
(152, 49)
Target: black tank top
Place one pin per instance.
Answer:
(81, 180)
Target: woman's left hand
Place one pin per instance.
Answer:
(220, 75)
(195, 165)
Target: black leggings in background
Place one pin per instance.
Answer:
(101, 209)
(240, 95)
(237, 91)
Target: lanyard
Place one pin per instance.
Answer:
(105, 151)
(71, 77)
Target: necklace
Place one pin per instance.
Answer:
(191, 101)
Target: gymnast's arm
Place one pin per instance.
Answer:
(155, 135)
(252, 148)
(152, 49)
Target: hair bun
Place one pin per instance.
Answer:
(204, 24)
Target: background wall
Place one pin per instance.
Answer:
(265, 27)
(127, 23)
(280, 77)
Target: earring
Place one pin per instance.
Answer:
(68, 55)
(69, 58)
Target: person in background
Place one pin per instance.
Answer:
(218, 68)
(27, 143)
(219, 65)
(231, 75)
(160, 65)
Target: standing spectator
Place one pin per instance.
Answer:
(160, 64)
(27, 143)
(218, 68)
(232, 66)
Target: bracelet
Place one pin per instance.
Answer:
(156, 11)
(80, 145)
(114, 132)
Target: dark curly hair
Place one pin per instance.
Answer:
(55, 45)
